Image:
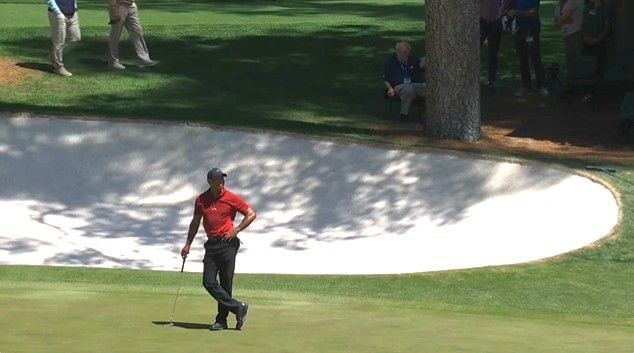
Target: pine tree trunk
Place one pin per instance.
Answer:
(453, 69)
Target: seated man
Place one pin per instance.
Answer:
(403, 76)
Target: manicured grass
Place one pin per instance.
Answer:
(304, 66)
(75, 309)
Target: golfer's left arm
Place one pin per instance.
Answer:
(249, 217)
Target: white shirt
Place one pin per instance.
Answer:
(574, 9)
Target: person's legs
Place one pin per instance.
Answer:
(495, 38)
(58, 37)
(483, 31)
(572, 49)
(73, 33)
(115, 35)
(602, 48)
(406, 93)
(521, 48)
(420, 89)
(133, 25)
(536, 59)
(212, 263)
(226, 269)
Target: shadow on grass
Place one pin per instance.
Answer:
(35, 66)
(288, 8)
(326, 82)
(322, 81)
(185, 325)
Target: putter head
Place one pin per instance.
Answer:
(601, 168)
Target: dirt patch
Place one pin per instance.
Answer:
(538, 126)
(12, 73)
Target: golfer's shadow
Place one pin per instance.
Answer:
(36, 66)
(186, 325)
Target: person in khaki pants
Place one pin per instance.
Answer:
(64, 20)
(124, 13)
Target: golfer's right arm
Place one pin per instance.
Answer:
(193, 229)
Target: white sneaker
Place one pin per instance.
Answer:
(149, 63)
(116, 66)
(62, 72)
(544, 92)
(522, 92)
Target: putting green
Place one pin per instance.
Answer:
(71, 317)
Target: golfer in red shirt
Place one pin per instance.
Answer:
(217, 208)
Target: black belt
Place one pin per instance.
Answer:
(215, 240)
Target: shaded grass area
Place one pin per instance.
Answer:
(303, 66)
(225, 75)
(162, 12)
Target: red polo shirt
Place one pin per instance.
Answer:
(218, 214)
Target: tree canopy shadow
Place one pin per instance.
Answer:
(325, 81)
(286, 8)
(326, 74)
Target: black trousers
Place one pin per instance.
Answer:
(529, 50)
(220, 262)
(491, 31)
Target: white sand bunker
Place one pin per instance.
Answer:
(105, 194)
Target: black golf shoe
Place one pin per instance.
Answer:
(241, 316)
(216, 326)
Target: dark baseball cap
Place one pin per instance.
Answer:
(215, 173)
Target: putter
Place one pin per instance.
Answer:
(177, 291)
(604, 169)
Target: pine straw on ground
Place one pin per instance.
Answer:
(536, 127)
(11, 74)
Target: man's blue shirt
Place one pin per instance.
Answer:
(525, 23)
(67, 7)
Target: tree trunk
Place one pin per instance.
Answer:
(453, 69)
